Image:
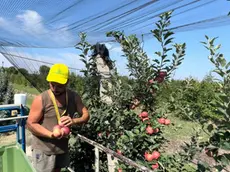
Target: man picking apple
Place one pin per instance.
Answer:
(50, 118)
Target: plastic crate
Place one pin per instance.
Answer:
(13, 159)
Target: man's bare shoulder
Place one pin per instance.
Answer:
(39, 96)
(37, 101)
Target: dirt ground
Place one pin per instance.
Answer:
(9, 138)
(175, 146)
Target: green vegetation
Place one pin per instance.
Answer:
(150, 111)
(25, 89)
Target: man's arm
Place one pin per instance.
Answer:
(81, 109)
(34, 117)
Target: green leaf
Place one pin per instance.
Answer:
(168, 41)
(168, 34)
(84, 61)
(227, 66)
(158, 25)
(212, 40)
(125, 138)
(166, 60)
(210, 127)
(217, 47)
(225, 159)
(221, 60)
(219, 72)
(130, 134)
(202, 167)
(222, 111)
(136, 131)
(225, 145)
(157, 35)
(159, 54)
(203, 43)
(219, 167)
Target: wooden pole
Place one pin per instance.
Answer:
(111, 152)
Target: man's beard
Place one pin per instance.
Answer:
(58, 93)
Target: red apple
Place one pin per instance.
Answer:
(140, 115)
(144, 114)
(144, 119)
(57, 127)
(61, 125)
(162, 74)
(65, 130)
(161, 120)
(149, 130)
(156, 130)
(151, 81)
(148, 156)
(119, 170)
(57, 131)
(159, 79)
(132, 106)
(167, 121)
(155, 155)
(155, 166)
(119, 152)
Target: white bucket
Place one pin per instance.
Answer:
(20, 99)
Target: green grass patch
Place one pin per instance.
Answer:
(29, 101)
(25, 89)
(183, 130)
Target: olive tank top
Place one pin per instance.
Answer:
(49, 120)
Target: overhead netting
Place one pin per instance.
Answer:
(36, 32)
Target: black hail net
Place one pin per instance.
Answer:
(28, 28)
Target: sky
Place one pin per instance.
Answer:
(195, 64)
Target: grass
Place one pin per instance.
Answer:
(183, 130)
(25, 89)
(29, 101)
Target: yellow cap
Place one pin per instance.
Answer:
(58, 73)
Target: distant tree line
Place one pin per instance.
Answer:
(191, 93)
(37, 79)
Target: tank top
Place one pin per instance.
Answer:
(48, 145)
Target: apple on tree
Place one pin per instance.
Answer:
(155, 166)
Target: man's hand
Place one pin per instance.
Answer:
(66, 120)
(55, 136)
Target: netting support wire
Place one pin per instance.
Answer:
(44, 62)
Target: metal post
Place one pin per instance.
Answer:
(97, 162)
(22, 128)
(18, 131)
